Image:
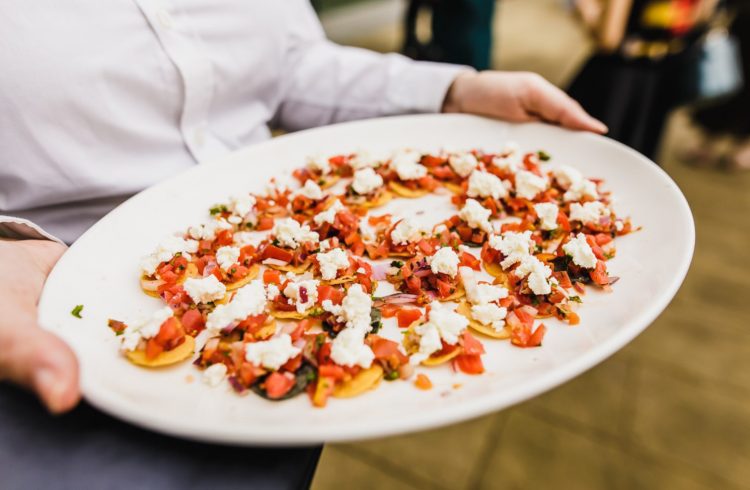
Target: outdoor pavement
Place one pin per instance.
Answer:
(670, 411)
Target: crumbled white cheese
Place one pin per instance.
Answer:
(167, 249)
(349, 349)
(311, 190)
(480, 293)
(619, 225)
(588, 212)
(367, 232)
(319, 163)
(407, 166)
(514, 246)
(215, 374)
(204, 289)
(510, 163)
(366, 181)
(463, 163)
(208, 230)
(537, 274)
(291, 234)
(147, 329)
(331, 262)
(444, 261)
(484, 184)
(476, 215)
(250, 300)
(329, 215)
(365, 159)
(241, 205)
(580, 251)
(354, 310)
(271, 354)
(581, 189)
(325, 245)
(490, 314)
(272, 290)
(227, 257)
(406, 231)
(547, 213)
(445, 324)
(293, 292)
(566, 175)
(529, 184)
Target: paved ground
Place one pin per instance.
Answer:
(672, 410)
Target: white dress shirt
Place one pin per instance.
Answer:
(99, 100)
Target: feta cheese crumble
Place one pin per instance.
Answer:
(406, 231)
(580, 251)
(547, 213)
(366, 181)
(581, 189)
(271, 354)
(444, 261)
(227, 257)
(354, 310)
(514, 246)
(529, 184)
(349, 349)
(319, 163)
(241, 205)
(329, 215)
(364, 159)
(250, 300)
(463, 163)
(291, 234)
(331, 262)
(565, 175)
(490, 314)
(167, 249)
(204, 289)
(208, 231)
(444, 324)
(147, 329)
(311, 190)
(303, 294)
(476, 215)
(484, 184)
(407, 166)
(588, 212)
(480, 293)
(537, 274)
(215, 374)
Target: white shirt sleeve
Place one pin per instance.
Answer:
(19, 228)
(324, 83)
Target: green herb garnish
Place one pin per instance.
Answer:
(77, 311)
(218, 209)
(543, 155)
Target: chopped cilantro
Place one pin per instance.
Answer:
(543, 155)
(77, 311)
(576, 299)
(218, 209)
(397, 263)
(392, 375)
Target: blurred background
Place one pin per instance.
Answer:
(671, 410)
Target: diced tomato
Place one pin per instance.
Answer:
(271, 276)
(383, 348)
(432, 161)
(224, 237)
(278, 385)
(274, 252)
(377, 220)
(472, 346)
(389, 311)
(525, 316)
(324, 354)
(599, 274)
(169, 331)
(557, 296)
(331, 371)
(252, 323)
(264, 223)
(425, 247)
(469, 260)
(595, 247)
(469, 364)
(192, 321)
(602, 239)
(293, 364)
(563, 278)
(444, 288)
(300, 329)
(153, 349)
(326, 292)
(414, 284)
(537, 336)
(423, 382)
(407, 316)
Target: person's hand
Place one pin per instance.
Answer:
(517, 97)
(30, 356)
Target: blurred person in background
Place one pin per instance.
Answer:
(105, 99)
(649, 59)
(721, 136)
(461, 32)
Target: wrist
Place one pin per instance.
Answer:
(455, 97)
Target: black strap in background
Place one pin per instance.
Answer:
(87, 449)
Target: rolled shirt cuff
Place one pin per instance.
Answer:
(23, 229)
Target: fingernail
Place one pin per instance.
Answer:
(50, 387)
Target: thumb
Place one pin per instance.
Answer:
(40, 361)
